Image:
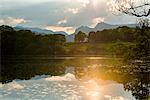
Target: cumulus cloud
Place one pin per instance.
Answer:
(77, 13)
(72, 10)
(63, 21)
(69, 30)
(12, 21)
(84, 2)
(97, 20)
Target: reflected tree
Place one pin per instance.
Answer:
(139, 87)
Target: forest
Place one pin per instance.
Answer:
(119, 42)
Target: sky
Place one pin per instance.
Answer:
(59, 15)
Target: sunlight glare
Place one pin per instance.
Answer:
(94, 91)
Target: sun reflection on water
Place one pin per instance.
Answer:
(65, 87)
(94, 90)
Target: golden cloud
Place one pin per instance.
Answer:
(68, 30)
(11, 21)
(97, 20)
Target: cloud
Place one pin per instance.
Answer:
(12, 21)
(63, 21)
(97, 20)
(72, 10)
(68, 30)
(78, 13)
(84, 2)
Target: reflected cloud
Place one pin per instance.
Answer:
(65, 87)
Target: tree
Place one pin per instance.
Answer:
(138, 8)
(92, 37)
(80, 37)
(143, 38)
(142, 23)
(25, 42)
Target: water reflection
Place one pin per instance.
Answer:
(65, 87)
(129, 78)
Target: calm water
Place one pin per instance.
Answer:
(73, 78)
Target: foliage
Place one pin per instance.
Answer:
(138, 8)
(124, 34)
(120, 49)
(25, 42)
(80, 37)
(142, 48)
(122, 41)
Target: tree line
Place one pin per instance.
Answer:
(123, 39)
(25, 42)
(139, 37)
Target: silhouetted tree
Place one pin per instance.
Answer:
(138, 8)
(92, 37)
(25, 42)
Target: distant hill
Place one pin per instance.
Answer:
(39, 30)
(100, 27)
(85, 29)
